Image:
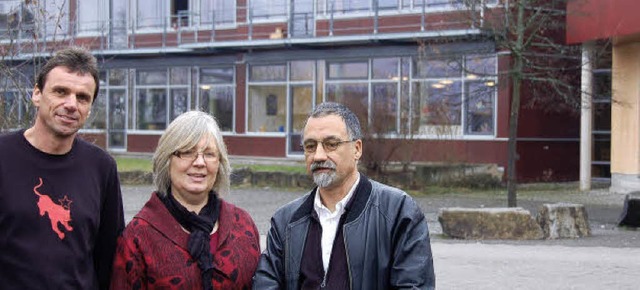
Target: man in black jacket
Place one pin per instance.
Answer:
(353, 232)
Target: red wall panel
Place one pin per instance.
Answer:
(99, 139)
(543, 161)
(241, 84)
(256, 146)
(142, 143)
(600, 19)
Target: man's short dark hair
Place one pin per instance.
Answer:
(350, 119)
(77, 60)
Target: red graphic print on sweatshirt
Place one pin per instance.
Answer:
(58, 213)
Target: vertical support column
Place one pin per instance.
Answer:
(250, 32)
(625, 118)
(291, 19)
(586, 116)
(375, 16)
(422, 16)
(213, 26)
(331, 19)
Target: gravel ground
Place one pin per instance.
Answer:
(606, 260)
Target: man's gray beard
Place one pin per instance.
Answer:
(324, 179)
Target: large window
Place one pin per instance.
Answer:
(268, 9)
(223, 11)
(56, 18)
(354, 95)
(437, 107)
(117, 114)
(369, 88)
(479, 107)
(98, 119)
(343, 6)
(150, 14)
(328, 7)
(217, 93)
(430, 96)
(347, 83)
(445, 4)
(179, 91)
(18, 20)
(161, 95)
(384, 89)
(454, 95)
(267, 98)
(93, 16)
(119, 37)
(444, 96)
(601, 107)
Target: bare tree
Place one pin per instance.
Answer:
(30, 32)
(541, 64)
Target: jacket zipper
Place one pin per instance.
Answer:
(346, 252)
(324, 278)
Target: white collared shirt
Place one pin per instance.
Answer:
(329, 222)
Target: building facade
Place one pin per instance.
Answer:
(595, 21)
(420, 74)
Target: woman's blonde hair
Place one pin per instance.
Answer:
(183, 134)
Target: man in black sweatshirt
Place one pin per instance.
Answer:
(60, 200)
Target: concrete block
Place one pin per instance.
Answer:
(564, 220)
(489, 223)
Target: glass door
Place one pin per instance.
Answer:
(117, 137)
(300, 107)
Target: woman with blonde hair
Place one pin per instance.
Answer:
(186, 236)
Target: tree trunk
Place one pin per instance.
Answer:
(517, 73)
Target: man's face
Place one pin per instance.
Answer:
(64, 102)
(330, 169)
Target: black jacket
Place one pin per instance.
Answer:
(386, 239)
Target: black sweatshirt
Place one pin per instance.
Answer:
(60, 216)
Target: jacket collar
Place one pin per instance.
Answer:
(359, 200)
(353, 209)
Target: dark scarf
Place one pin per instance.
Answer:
(200, 227)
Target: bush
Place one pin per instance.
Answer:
(475, 181)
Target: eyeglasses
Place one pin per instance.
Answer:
(329, 145)
(193, 155)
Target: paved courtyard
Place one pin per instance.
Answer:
(610, 259)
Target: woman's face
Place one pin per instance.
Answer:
(193, 172)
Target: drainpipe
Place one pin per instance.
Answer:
(586, 116)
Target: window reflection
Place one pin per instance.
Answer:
(385, 68)
(302, 70)
(479, 108)
(151, 107)
(434, 68)
(385, 108)
(354, 95)
(348, 70)
(480, 66)
(216, 93)
(265, 9)
(267, 108)
(268, 72)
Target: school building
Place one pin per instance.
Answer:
(421, 74)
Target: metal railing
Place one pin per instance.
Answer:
(242, 24)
